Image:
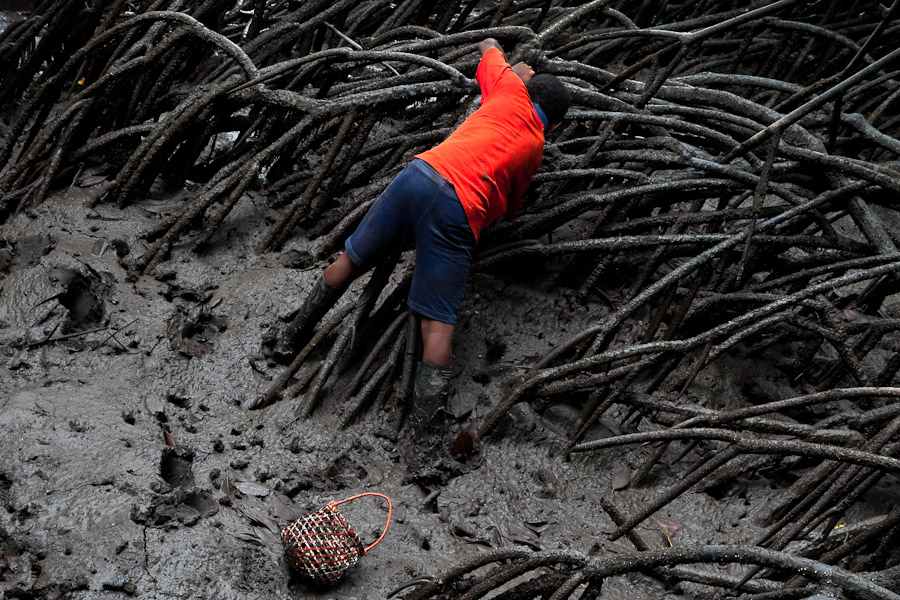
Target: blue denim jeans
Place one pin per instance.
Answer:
(421, 206)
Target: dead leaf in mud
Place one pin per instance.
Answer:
(668, 530)
(621, 477)
(191, 348)
(855, 316)
(259, 518)
(228, 487)
(538, 527)
(161, 206)
(533, 544)
(669, 524)
(64, 177)
(464, 444)
(468, 534)
(496, 537)
(170, 441)
(284, 507)
(252, 489)
(251, 537)
(91, 181)
(99, 248)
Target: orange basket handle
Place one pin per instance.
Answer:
(390, 509)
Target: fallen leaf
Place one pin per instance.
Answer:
(464, 444)
(496, 537)
(99, 248)
(160, 206)
(191, 348)
(669, 524)
(249, 488)
(537, 526)
(257, 517)
(530, 544)
(621, 477)
(228, 487)
(250, 537)
(855, 316)
(63, 177)
(468, 534)
(91, 181)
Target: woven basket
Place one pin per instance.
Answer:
(322, 545)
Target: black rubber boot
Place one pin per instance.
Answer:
(289, 337)
(431, 388)
(430, 463)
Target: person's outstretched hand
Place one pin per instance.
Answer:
(524, 71)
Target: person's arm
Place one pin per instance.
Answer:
(488, 43)
(524, 71)
(493, 70)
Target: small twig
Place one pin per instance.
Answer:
(66, 336)
(74, 179)
(113, 336)
(356, 45)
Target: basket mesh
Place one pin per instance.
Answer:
(321, 545)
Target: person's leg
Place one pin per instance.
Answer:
(386, 226)
(341, 272)
(290, 336)
(437, 339)
(444, 244)
(444, 247)
(430, 390)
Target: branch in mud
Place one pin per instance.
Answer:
(511, 568)
(749, 445)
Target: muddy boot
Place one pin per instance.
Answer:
(430, 463)
(289, 337)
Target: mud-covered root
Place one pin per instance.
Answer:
(355, 327)
(821, 497)
(33, 139)
(274, 392)
(507, 571)
(353, 399)
(724, 336)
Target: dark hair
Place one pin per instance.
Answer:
(551, 95)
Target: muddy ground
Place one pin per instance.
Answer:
(98, 503)
(132, 463)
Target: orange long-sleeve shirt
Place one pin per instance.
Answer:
(491, 158)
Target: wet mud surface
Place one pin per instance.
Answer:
(132, 465)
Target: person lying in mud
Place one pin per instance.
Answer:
(442, 200)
